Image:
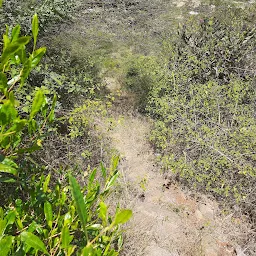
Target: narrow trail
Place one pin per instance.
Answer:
(166, 220)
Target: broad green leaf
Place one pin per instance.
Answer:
(122, 217)
(88, 251)
(71, 250)
(38, 102)
(103, 212)
(35, 28)
(37, 56)
(12, 98)
(6, 245)
(33, 241)
(7, 113)
(18, 125)
(15, 33)
(22, 41)
(8, 161)
(12, 48)
(48, 213)
(65, 237)
(8, 169)
(10, 218)
(79, 201)
(7, 179)
(1, 3)
(2, 226)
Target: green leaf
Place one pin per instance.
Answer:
(38, 102)
(26, 70)
(114, 163)
(95, 227)
(8, 169)
(3, 83)
(79, 201)
(111, 181)
(122, 217)
(37, 56)
(1, 3)
(103, 212)
(10, 217)
(92, 177)
(22, 55)
(35, 28)
(103, 170)
(33, 241)
(46, 183)
(65, 237)
(88, 251)
(12, 48)
(6, 245)
(15, 33)
(48, 213)
(7, 179)
(18, 125)
(7, 113)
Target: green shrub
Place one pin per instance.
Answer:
(203, 103)
(142, 73)
(45, 218)
(37, 215)
(51, 12)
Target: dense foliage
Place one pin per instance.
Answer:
(50, 12)
(38, 214)
(202, 95)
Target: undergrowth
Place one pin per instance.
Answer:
(44, 210)
(200, 93)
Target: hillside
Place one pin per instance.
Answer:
(127, 128)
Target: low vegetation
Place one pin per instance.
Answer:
(201, 94)
(44, 210)
(197, 82)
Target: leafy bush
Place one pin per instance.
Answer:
(48, 220)
(50, 11)
(21, 131)
(142, 74)
(203, 101)
(38, 216)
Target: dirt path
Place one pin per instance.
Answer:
(166, 221)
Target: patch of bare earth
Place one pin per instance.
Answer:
(167, 221)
